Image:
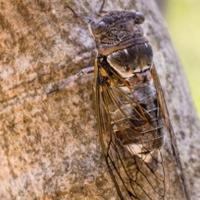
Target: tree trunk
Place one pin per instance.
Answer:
(162, 5)
(49, 143)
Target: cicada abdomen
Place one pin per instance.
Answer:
(130, 107)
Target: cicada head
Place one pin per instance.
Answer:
(116, 30)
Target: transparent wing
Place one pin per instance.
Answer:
(161, 98)
(165, 115)
(128, 140)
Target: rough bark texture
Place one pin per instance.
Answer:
(49, 145)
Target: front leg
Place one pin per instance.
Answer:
(64, 83)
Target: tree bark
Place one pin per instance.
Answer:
(162, 5)
(49, 144)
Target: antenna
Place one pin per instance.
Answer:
(86, 19)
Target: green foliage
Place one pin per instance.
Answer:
(184, 24)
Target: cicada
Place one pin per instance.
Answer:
(130, 106)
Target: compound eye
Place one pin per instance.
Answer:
(101, 26)
(96, 27)
(139, 18)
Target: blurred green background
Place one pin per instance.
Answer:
(183, 18)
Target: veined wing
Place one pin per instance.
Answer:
(133, 176)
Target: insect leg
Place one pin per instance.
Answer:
(62, 84)
(72, 10)
(83, 18)
(101, 8)
(76, 15)
(82, 72)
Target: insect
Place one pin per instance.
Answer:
(130, 106)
